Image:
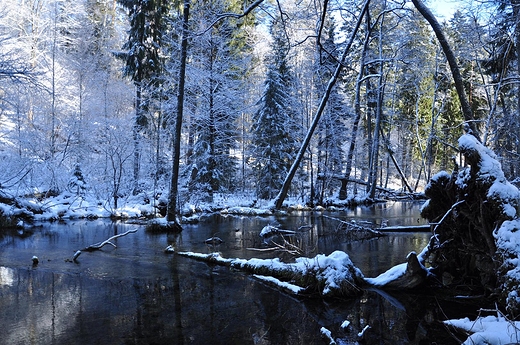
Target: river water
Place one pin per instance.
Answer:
(137, 294)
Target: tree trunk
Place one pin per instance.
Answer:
(357, 109)
(174, 188)
(379, 114)
(391, 154)
(136, 135)
(516, 11)
(452, 61)
(287, 183)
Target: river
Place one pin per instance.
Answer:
(137, 294)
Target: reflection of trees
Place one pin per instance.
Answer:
(398, 319)
(197, 303)
(43, 321)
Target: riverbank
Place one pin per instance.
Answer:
(16, 210)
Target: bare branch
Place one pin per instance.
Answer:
(231, 15)
(99, 245)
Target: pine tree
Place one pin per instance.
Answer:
(143, 59)
(218, 55)
(502, 64)
(331, 131)
(273, 127)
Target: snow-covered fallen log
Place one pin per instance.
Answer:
(409, 275)
(331, 275)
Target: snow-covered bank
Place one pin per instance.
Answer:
(69, 205)
(494, 330)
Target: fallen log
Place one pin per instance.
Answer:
(331, 275)
(355, 231)
(406, 276)
(406, 228)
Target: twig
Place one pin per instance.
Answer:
(99, 245)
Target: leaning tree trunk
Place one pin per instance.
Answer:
(452, 61)
(278, 202)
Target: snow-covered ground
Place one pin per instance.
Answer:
(488, 330)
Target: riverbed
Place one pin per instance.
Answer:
(135, 293)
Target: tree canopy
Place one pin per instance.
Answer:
(255, 75)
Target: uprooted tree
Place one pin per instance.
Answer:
(474, 216)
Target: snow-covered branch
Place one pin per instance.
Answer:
(99, 245)
(231, 15)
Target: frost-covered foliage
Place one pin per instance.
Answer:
(216, 92)
(508, 253)
(273, 129)
(476, 212)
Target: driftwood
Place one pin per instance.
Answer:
(355, 231)
(345, 180)
(406, 228)
(402, 277)
(99, 245)
(326, 276)
(281, 240)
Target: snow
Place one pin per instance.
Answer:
(388, 276)
(362, 333)
(441, 174)
(327, 334)
(345, 324)
(291, 287)
(250, 211)
(332, 270)
(270, 230)
(267, 230)
(488, 330)
(69, 205)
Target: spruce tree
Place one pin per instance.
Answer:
(332, 131)
(273, 127)
(143, 59)
(218, 55)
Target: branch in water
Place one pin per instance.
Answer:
(99, 245)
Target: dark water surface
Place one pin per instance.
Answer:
(137, 294)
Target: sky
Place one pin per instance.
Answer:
(444, 8)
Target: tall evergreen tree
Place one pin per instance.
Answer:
(143, 59)
(219, 56)
(332, 131)
(503, 65)
(273, 127)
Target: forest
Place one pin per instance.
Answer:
(179, 104)
(165, 109)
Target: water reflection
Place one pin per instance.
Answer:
(198, 305)
(136, 294)
(6, 276)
